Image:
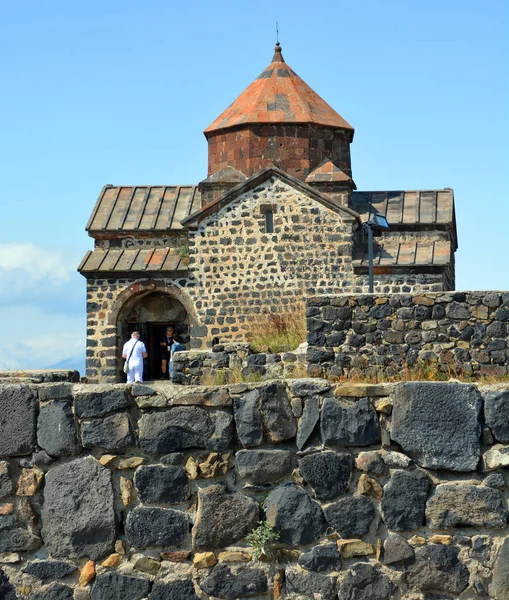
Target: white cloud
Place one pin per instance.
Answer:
(35, 262)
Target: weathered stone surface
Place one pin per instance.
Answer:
(455, 505)
(202, 560)
(365, 582)
(157, 484)
(496, 412)
(438, 567)
(396, 549)
(56, 430)
(49, 569)
(87, 573)
(350, 516)
(5, 480)
(321, 558)
(308, 387)
(248, 419)
(156, 527)
(29, 482)
(310, 585)
(54, 591)
(245, 581)
(77, 516)
(349, 424)
(307, 423)
(371, 462)
(395, 460)
(369, 487)
(496, 457)
(495, 480)
(17, 420)
(278, 419)
(404, 500)
(7, 591)
(499, 587)
(14, 537)
(351, 548)
(98, 400)
(263, 466)
(114, 586)
(437, 424)
(223, 517)
(112, 433)
(265, 411)
(328, 473)
(183, 427)
(178, 589)
(292, 513)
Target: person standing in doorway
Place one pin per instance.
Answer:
(176, 347)
(134, 352)
(166, 344)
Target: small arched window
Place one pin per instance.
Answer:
(269, 221)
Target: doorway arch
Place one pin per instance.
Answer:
(150, 308)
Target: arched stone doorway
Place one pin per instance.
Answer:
(150, 311)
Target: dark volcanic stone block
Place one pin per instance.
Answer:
(291, 512)
(183, 427)
(263, 466)
(328, 473)
(246, 581)
(321, 558)
(156, 527)
(17, 420)
(365, 582)
(396, 549)
(278, 418)
(404, 500)
(223, 517)
(49, 569)
(454, 505)
(438, 567)
(5, 480)
(437, 424)
(7, 591)
(157, 484)
(350, 516)
(54, 591)
(179, 589)
(112, 433)
(114, 586)
(349, 424)
(248, 419)
(310, 418)
(99, 402)
(499, 587)
(496, 411)
(310, 585)
(77, 515)
(14, 537)
(56, 430)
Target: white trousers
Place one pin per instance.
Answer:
(135, 373)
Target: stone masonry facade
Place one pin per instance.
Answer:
(236, 271)
(376, 492)
(382, 334)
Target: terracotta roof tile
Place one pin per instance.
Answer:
(278, 95)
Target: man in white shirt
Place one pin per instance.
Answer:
(134, 352)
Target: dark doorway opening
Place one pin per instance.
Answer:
(150, 314)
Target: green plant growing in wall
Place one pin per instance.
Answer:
(183, 252)
(262, 540)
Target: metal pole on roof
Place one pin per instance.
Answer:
(370, 257)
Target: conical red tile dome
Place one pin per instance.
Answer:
(278, 95)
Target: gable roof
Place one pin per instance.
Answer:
(209, 209)
(122, 260)
(278, 95)
(158, 208)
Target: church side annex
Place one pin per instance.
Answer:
(277, 219)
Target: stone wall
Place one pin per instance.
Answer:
(227, 361)
(377, 492)
(373, 334)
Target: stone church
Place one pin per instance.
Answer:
(278, 218)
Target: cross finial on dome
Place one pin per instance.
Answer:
(278, 56)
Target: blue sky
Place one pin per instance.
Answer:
(120, 91)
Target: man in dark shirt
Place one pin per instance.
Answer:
(166, 343)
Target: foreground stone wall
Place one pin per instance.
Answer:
(375, 334)
(377, 492)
